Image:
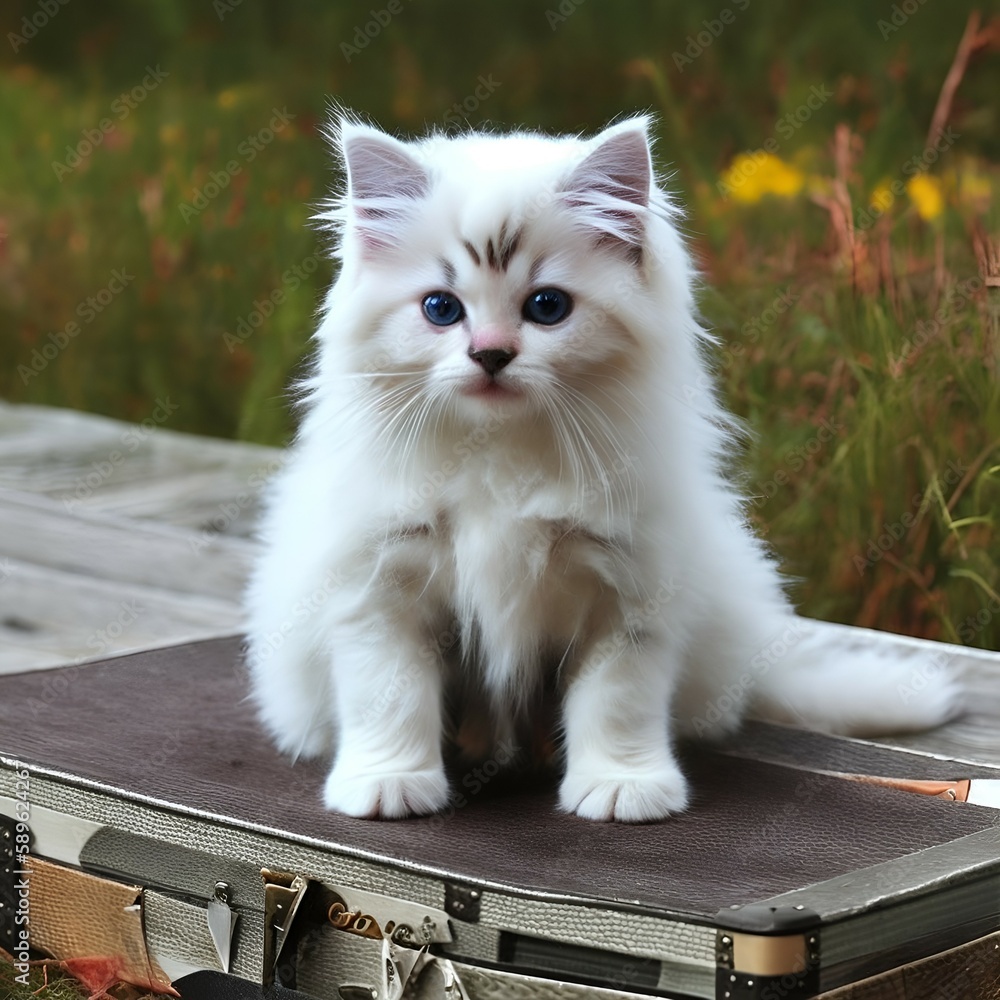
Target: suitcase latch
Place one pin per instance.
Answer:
(222, 923)
(283, 894)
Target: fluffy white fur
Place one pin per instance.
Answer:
(567, 521)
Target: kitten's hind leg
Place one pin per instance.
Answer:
(387, 683)
(616, 719)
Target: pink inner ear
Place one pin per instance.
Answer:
(610, 189)
(380, 168)
(384, 183)
(619, 168)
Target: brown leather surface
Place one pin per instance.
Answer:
(174, 725)
(971, 972)
(76, 915)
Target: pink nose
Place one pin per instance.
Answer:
(493, 347)
(494, 337)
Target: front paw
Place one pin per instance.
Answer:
(386, 794)
(626, 796)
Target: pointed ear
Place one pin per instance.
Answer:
(611, 186)
(384, 180)
(379, 166)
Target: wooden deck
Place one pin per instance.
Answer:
(116, 537)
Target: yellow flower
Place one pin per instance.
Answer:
(925, 193)
(752, 175)
(227, 98)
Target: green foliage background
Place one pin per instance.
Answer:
(861, 415)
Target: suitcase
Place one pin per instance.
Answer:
(160, 828)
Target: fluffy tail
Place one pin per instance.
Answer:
(859, 682)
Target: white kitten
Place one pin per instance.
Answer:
(510, 475)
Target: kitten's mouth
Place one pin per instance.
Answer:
(489, 388)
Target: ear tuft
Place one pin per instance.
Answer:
(379, 166)
(384, 180)
(611, 186)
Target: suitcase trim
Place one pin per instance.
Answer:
(881, 885)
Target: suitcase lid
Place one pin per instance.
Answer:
(173, 727)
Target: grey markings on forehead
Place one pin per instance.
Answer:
(450, 274)
(472, 253)
(499, 251)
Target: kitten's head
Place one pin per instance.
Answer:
(497, 272)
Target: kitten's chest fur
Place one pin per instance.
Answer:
(517, 560)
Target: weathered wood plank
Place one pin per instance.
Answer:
(90, 462)
(211, 502)
(116, 536)
(37, 529)
(51, 617)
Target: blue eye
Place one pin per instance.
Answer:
(443, 308)
(547, 306)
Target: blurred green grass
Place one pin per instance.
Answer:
(861, 415)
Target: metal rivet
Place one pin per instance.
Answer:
(732, 979)
(799, 906)
(727, 940)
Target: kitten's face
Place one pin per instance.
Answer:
(498, 266)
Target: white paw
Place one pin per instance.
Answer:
(629, 797)
(386, 795)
